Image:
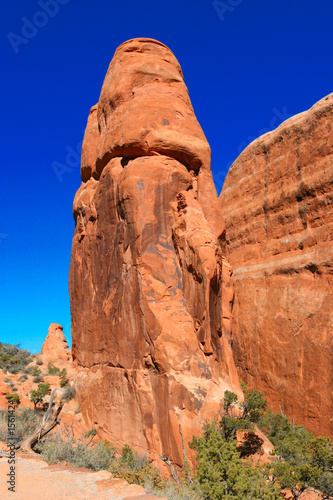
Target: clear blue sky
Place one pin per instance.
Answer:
(247, 64)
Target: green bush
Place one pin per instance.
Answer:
(28, 370)
(35, 371)
(136, 469)
(11, 396)
(12, 358)
(92, 432)
(68, 394)
(222, 474)
(39, 394)
(23, 378)
(236, 416)
(26, 421)
(300, 459)
(51, 369)
(79, 453)
(63, 378)
(38, 379)
(39, 362)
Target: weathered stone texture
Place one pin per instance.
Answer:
(277, 202)
(151, 293)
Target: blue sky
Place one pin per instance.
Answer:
(248, 65)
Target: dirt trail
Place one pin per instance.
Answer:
(35, 480)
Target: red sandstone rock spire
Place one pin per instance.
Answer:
(151, 292)
(55, 347)
(278, 206)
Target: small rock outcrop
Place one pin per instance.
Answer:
(150, 289)
(277, 201)
(55, 348)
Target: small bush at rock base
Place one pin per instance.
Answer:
(79, 453)
(68, 394)
(26, 421)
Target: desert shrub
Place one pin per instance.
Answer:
(68, 394)
(236, 416)
(12, 386)
(7, 380)
(300, 459)
(222, 474)
(77, 410)
(27, 370)
(39, 362)
(39, 394)
(91, 432)
(63, 378)
(35, 371)
(51, 369)
(38, 379)
(79, 453)
(26, 421)
(136, 469)
(173, 491)
(23, 378)
(11, 396)
(12, 358)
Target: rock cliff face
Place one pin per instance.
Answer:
(151, 293)
(277, 201)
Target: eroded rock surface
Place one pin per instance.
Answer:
(151, 292)
(277, 201)
(55, 348)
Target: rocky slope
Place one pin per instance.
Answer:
(277, 201)
(55, 350)
(150, 288)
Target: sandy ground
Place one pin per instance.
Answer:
(35, 480)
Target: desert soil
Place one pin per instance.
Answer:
(35, 480)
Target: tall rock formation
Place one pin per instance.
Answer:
(150, 290)
(277, 201)
(55, 348)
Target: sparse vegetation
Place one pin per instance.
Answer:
(13, 359)
(38, 395)
(81, 452)
(136, 469)
(35, 371)
(39, 362)
(26, 421)
(27, 370)
(52, 370)
(64, 380)
(91, 432)
(69, 393)
(38, 379)
(11, 396)
(23, 378)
